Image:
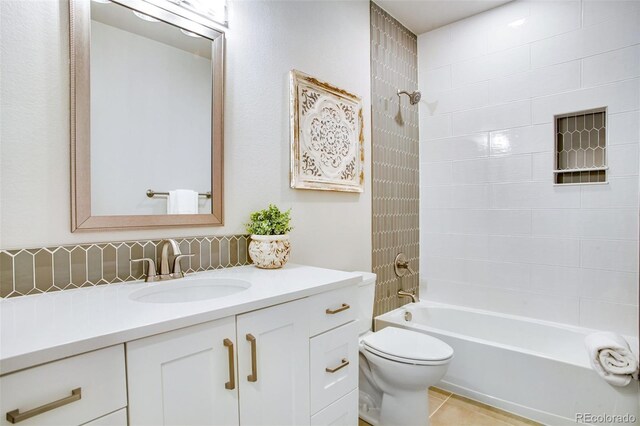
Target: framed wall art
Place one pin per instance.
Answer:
(327, 140)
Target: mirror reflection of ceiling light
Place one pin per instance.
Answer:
(144, 17)
(213, 9)
(189, 33)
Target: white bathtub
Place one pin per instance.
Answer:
(536, 369)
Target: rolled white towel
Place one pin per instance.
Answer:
(611, 357)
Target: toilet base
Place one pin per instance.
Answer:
(405, 409)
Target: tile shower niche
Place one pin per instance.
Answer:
(581, 147)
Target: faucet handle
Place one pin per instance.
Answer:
(151, 268)
(176, 264)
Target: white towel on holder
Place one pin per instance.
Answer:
(182, 201)
(612, 358)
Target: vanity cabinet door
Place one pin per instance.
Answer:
(273, 365)
(183, 377)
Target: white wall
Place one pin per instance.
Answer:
(496, 233)
(265, 40)
(161, 97)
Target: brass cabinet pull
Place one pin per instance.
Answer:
(342, 365)
(343, 307)
(253, 377)
(16, 416)
(231, 384)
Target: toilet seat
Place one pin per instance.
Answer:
(407, 347)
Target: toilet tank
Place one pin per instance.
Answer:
(366, 294)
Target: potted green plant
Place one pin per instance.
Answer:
(269, 228)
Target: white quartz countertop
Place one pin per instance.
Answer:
(45, 327)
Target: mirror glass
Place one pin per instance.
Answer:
(150, 113)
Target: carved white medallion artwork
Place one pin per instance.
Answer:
(327, 143)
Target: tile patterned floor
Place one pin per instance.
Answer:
(447, 409)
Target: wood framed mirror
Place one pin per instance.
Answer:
(146, 116)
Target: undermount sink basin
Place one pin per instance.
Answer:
(189, 290)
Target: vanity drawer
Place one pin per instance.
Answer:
(332, 309)
(118, 418)
(343, 412)
(71, 391)
(333, 365)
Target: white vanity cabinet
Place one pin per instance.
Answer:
(71, 391)
(189, 376)
(184, 377)
(292, 363)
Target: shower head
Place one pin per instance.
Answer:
(414, 97)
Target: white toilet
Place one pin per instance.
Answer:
(396, 368)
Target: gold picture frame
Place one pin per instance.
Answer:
(327, 136)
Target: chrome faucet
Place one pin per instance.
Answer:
(402, 293)
(166, 272)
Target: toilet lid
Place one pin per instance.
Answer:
(408, 345)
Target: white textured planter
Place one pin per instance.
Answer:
(269, 251)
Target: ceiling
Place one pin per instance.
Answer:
(421, 16)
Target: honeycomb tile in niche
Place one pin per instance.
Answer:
(580, 146)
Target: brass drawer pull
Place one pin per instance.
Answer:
(16, 416)
(253, 377)
(343, 307)
(231, 384)
(344, 363)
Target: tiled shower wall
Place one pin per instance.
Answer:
(497, 234)
(45, 269)
(395, 157)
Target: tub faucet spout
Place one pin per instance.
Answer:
(402, 293)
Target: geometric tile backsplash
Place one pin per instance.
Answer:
(39, 270)
(395, 158)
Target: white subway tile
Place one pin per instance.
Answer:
(612, 255)
(515, 168)
(599, 223)
(597, 11)
(478, 272)
(511, 88)
(456, 245)
(607, 316)
(496, 117)
(509, 222)
(435, 79)
(534, 195)
(435, 126)
(435, 49)
(623, 160)
(495, 65)
(435, 173)
(542, 168)
(522, 140)
(551, 18)
(555, 280)
(551, 308)
(612, 66)
(617, 97)
(460, 98)
(470, 196)
(509, 26)
(555, 79)
(619, 192)
(624, 128)
(547, 251)
(471, 171)
(435, 197)
(435, 221)
(614, 286)
(457, 148)
(555, 50)
(591, 40)
(468, 38)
